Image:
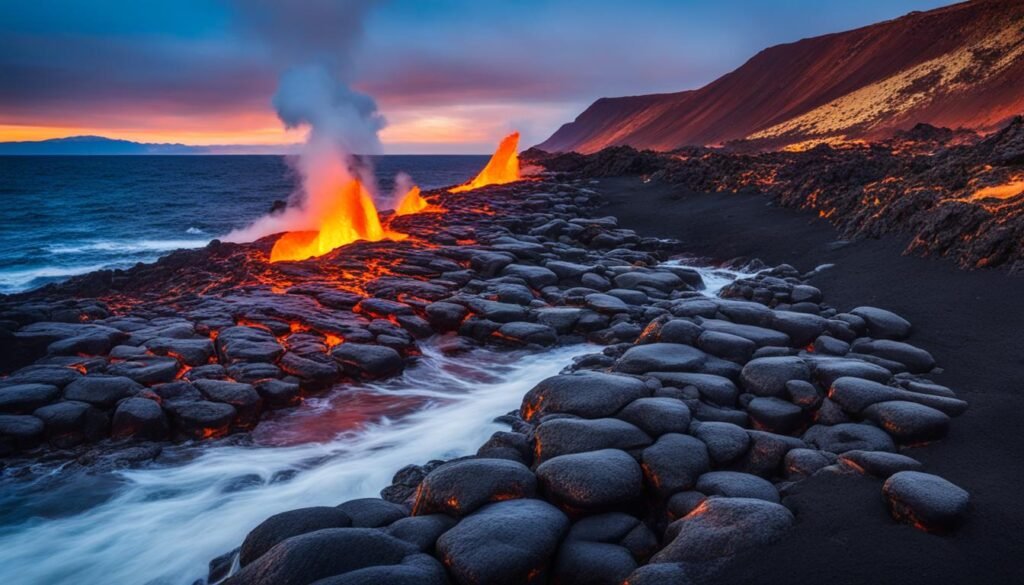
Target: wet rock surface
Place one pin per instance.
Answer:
(668, 448)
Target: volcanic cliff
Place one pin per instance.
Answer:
(959, 67)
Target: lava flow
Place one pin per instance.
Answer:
(352, 216)
(502, 168)
(413, 202)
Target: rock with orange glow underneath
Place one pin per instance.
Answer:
(592, 481)
(584, 394)
(461, 487)
(722, 527)
(926, 501)
(368, 361)
(480, 549)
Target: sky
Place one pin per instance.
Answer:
(448, 76)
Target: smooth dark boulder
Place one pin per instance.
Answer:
(247, 344)
(506, 543)
(422, 531)
(19, 431)
(908, 422)
(660, 357)
(726, 346)
(309, 557)
(726, 442)
(101, 391)
(247, 402)
(369, 361)
(372, 512)
(523, 333)
(201, 419)
(854, 395)
(713, 388)
(724, 527)
(278, 393)
(916, 360)
(768, 376)
(417, 569)
(674, 463)
(582, 562)
(775, 415)
(592, 480)
(801, 463)
(564, 436)
(584, 394)
(657, 416)
(734, 484)
(926, 501)
(139, 418)
(829, 369)
(536, 276)
(69, 423)
(761, 336)
(878, 463)
(461, 487)
(849, 437)
(193, 352)
(146, 370)
(25, 398)
(286, 525)
(883, 324)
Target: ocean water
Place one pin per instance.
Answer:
(67, 215)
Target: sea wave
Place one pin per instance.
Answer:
(126, 246)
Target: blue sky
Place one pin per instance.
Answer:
(448, 75)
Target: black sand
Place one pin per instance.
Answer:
(972, 322)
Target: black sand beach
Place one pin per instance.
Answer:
(970, 321)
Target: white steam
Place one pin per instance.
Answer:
(315, 93)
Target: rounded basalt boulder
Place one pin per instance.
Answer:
(657, 416)
(372, 512)
(246, 400)
(767, 452)
(422, 531)
(310, 557)
(285, 525)
(278, 393)
(19, 431)
(849, 437)
(69, 423)
(800, 463)
(659, 574)
(768, 376)
(563, 436)
(603, 550)
(828, 370)
(583, 394)
(139, 418)
(674, 463)
(854, 395)
(926, 501)
(726, 346)
(418, 569)
(523, 333)
(916, 360)
(25, 398)
(592, 481)
(734, 484)
(716, 389)
(536, 276)
(445, 316)
(722, 527)
(368, 361)
(878, 463)
(908, 422)
(679, 331)
(726, 442)
(478, 551)
(101, 391)
(201, 419)
(660, 357)
(802, 328)
(883, 324)
(775, 415)
(461, 487)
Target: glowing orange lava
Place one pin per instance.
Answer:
(413, 202)
(502, 168)
(351, 217)
(1004, 191)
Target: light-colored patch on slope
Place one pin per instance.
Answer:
(956, 71)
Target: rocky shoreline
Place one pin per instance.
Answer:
(656, 459)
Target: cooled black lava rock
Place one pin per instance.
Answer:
(101, 391)
(286, 525)
(908, 422)
(883, 324)
(422, 531)
(243, 397)
(24, 398)
(69, 423)
(674, 463)
(370, 361)
(926, 501)
(461, 487)
(372, 512)
(278, 393)
(733, 484)
(139, 418)
(726, 442)
(479, 549)
(724, 527)
(775, 415)
(309, 557)
(19, 431)
(584, 394)
(592, 480)
(564, 436)
(768, 376)
(878, 463)
(201, 419)
(916, 360)
(657, 416)
(661, 357)
(849, 437)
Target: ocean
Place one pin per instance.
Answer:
(66, 215)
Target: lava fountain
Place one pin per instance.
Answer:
(413, 202)
(350, 216)
(502, 168)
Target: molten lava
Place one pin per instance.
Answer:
(352, 216)
(413, 202)
(502, 168)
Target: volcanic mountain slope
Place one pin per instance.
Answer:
(958, 66)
